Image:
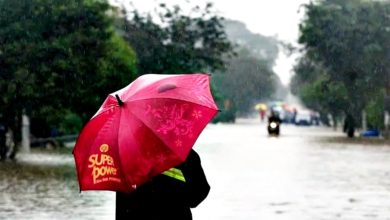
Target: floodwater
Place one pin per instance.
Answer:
(297, 176)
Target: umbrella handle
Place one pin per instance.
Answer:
(120, 102)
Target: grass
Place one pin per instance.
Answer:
(357, 140)
(28, 170)
(25, 169)
(58, 150)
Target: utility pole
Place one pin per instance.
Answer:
(25, 133)
(387, 106)
(387, 123)
(364, 120)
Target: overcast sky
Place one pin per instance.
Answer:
(268, 17)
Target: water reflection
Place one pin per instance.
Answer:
(44, 186)
(303, 174)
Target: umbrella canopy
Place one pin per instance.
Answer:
(261, 106)
(143, 130)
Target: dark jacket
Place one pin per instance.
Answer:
(164, 197)
(274, 118)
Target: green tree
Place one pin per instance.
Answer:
(317, 91)
(59, 57)
(246, 81)
(248, 78)
(262, 47)
(177, 42)
(349, 40)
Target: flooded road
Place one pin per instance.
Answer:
(299, 175)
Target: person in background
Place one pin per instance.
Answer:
(274, 117)
(262, 113)
(168, 196)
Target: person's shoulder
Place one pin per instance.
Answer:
(193, 157)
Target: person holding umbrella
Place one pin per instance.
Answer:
(139, 144)
(170, 195)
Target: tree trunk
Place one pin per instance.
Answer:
(334, 120)
(387, 124)
(25, 133)
(364, 120)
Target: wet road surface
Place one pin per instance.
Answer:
(299, 175)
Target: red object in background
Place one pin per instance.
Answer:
(262, 114)
(142, 130)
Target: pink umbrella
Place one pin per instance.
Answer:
(143, 130)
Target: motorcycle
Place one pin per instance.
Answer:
(273, 127)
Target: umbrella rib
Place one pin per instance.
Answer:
(84, 167)
(152, 84)
(120, 160)
(108, 108)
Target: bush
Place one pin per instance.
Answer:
(375, 113)
(71, 124)
(225, 116)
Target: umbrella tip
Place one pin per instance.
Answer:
(120, 102)
(166, 87)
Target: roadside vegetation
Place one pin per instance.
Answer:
(344, 67)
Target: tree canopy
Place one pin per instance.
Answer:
(248, 78)
(246, 81)
(59, 57)
(171, 41)
(262, 47)
(346, 46)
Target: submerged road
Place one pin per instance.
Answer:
(297, 176)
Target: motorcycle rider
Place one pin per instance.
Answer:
(274, 118)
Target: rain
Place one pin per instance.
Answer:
(320, 67)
